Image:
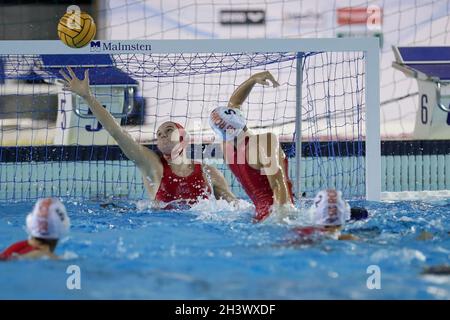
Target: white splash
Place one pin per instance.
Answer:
(143, 205)
(68, 255)
(289, 215)
(222, 210)
(404, 255)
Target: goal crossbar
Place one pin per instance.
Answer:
(370, 47)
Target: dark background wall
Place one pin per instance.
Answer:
(36, 20)
(33, 20)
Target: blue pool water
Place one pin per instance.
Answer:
(215, 254)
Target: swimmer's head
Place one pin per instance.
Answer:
(227, 123)
(48, 220)
(329, 209)
(171, 138)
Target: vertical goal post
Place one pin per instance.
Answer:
(369, 46)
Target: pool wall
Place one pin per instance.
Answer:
(103, 171)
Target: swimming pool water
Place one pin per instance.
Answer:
(217, 254)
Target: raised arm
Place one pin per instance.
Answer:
(241, 93)
(271, 160)
(143, 157)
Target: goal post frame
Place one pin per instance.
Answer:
(370, 47)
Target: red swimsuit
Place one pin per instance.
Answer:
(255, 184)
(187, 189)
(19, 248)
(309, 231)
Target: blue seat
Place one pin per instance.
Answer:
(430, 62)
(101, 68)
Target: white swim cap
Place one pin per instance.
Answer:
(329, 209)
(48, 220)
(227, 122)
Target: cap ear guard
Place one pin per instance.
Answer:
(227, 123)
(184, 136)
(183, 141)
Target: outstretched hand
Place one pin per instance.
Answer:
(75, 85)
(264, 78)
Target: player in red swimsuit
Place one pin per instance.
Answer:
(46, 224)
(170, 177)
(257, 161)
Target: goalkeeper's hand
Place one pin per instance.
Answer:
(264, 78)
(75, 85)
